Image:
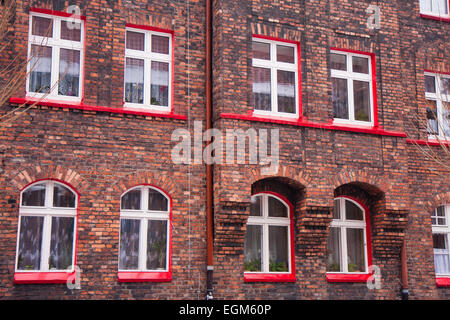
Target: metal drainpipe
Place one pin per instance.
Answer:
(405, 287)
(209, 168)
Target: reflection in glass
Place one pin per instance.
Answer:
(156, 244)
(63, 197)
(261, 89)
(134, 80)
(70, 30)
(255, 207)
(353, 212)
(156, 201)
(261, 50)
(360, 65)
(339, 95)
(131, 200)
(333, 250)
(277, 208)
(432, 120)
(40, 69)
(355, 250)
(34, 196)
(430, 84)
(278, 249)
(69, 72)
(286, 91)
(129, 244)
(42, 27)
(338, 62)
(361, 97)
(30, 241)
(252, 251)
(285, 54)
(61, 243)
(159, 84)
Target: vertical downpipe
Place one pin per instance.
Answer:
(405, 287)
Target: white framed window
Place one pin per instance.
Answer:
(148, 69)
(47, 224)
(352, 88)
(267, 247)
(440, 221)
(438, 8)
(437, 94)
(275, 77)
(347, 250)
(144, 230)
(55, 57)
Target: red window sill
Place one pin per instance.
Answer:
(81, 106)
(269, 277)
(144, 276)
(347, 277)
(443, 282)
(428, 142)
(302, 122)
(42, 277)
(427, 16)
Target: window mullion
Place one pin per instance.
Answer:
(147, 85)
(351, 102)
(143, 245)
(54, 75)
(344, 249)
(266, 247)
(45, 246)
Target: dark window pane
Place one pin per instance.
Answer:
(430, 84)
(131, 200)
(63, 197)
(334, 251)
(339, 97)
(61, 244)
(445, 86)
(135, 40)
(277, 208)
(40, 69)
(34, 196)
(361, 94)
(70, 30)
(30, 241)
(252, 248)
(261, 50)
(285, 54)
(157, 201)
(278, 249)
(355, 250)
(338, 61)
(160, 44)
(286, 91)
(159, 84)
(337, 209)
(129, 244)
(134, 80)
(156, 244)
(255, 207)
(432, 121)
(439, 241)
(42, 27)
(261, 89)
(360, 65)
(353, 212)
(69, 73)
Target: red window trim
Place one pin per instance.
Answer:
(356, 277)
(151, 276)
(50, 277)
(436, 18)
(428, 142)
(374, 80)
(58, 13)
(81, 106)
(443, 282)
(299, 67)
(273, 276)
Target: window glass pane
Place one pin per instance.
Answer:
(63, 197)
(445, 86)
(277, 208)
(286, 91)
(156, 201)
(160, 44)
(252, 251)
(430, 84)
(261, 89)
(34, 196)
(442, 263)
(156, 245)
(70, 30)
(261, 50)
(439, 7)
(30, 241)
(255, 206)
(160, 84)
(334, 250)
(360, 65)
(129, 244)
(338, 61)
(285, 54)
(425, 5)
(337, 209)
(353, 212)
(439, 241)
(40, 68)
(355, 250)
(135, 40)
(61, 244)
(131, 200)
(446, 119)
(42, 27)
(134, 80)
(69, 72)
(278, 249)
(361, 94)
(339, 97)
(432, 121)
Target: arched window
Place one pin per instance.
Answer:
(440, 221)
(47, 224)
(349, 240)
(268, 241)
(144, 233)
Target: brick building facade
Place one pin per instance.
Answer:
(100, 148)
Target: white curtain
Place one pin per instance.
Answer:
(442, 261)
